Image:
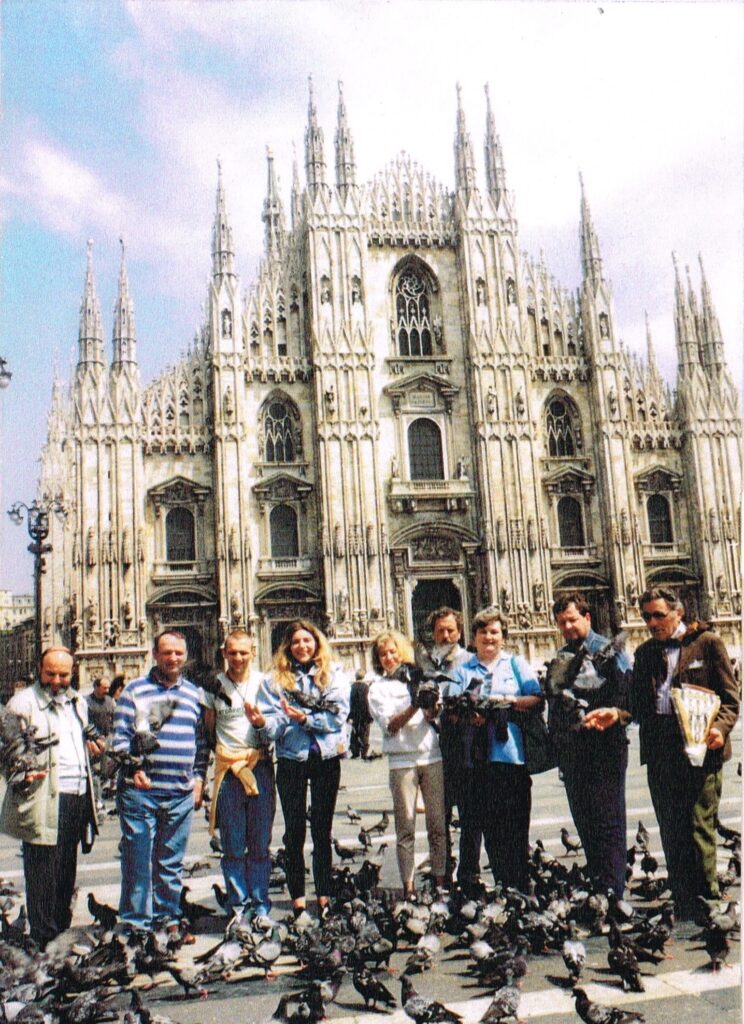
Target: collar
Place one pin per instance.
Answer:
(154, 677)
(46, 700)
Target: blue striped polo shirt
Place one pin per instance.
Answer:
(183, 751)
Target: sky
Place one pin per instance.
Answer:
(114, 115)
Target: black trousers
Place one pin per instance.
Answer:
(292, 778)
(594, 776)
(359, 741)
(51, 871)
(469, 810)
(503, 798)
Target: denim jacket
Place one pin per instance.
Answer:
(294, 740)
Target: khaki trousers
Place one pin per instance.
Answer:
(404, 785)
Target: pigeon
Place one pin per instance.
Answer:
(649, 864)
(346, 852)
(622, 961)
(193, 911)
(312, 703)
(731, 836)
(719, 926)
(371, 989)
(147, 724)
(20, 746)
(381, 827)
(570, 844)
(504, 1004)
(643, 838)
(422, 1010)
(596, 1013)
(220, 896)
(352, 815)
(574, 955)
(195, 867)
(105, 916)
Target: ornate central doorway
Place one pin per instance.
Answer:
(428, 595)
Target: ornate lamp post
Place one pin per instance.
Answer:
(37, 524)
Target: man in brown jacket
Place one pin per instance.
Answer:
(685, 798)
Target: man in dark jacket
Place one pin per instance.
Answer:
(593, 764)
(685, 797)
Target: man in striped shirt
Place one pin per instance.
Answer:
(156, 804)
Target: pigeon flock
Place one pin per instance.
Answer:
(102, 975)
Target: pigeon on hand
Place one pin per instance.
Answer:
(20, 746)
(148, 723)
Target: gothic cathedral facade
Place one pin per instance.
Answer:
(403, 410)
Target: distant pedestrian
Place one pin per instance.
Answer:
(360, 718)
(101, 713)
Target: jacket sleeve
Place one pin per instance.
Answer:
(726, 686)
(124, 722)
(268, 700)
(338, 691)
(201, 759)
(383, 705)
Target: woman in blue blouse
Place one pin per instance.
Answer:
(309, 745)
(501, 782)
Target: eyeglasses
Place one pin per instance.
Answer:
(658, 616)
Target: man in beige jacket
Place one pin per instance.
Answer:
(51, 808)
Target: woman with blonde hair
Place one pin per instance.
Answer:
(411, 742)
(304, 701)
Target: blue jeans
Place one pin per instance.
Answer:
(155, 829)
(245, 824)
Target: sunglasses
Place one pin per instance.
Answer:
(658, 616)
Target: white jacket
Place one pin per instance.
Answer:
(417, 742)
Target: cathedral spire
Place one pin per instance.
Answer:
(495, 173)
(90, 336)
(125, 332)
(273, 213)
(465, 179)
(591, 258)
(684, 327)
(345, 165)
(222, 243)
(653, 367)
(296, 190)
(315, 169)
(711, 340)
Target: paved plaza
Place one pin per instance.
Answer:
(682, 990)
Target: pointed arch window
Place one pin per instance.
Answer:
(180, 542)
(570, 523)
(561, 429)
(413, 318)
(659, 520)
(278, 433)
(283, 532)
(425, 459)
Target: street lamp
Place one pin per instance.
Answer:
(37, 524)
(5, 374)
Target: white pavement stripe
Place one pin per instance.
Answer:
(556, 1001)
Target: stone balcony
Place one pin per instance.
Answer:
(291, 568)
(416, 495)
